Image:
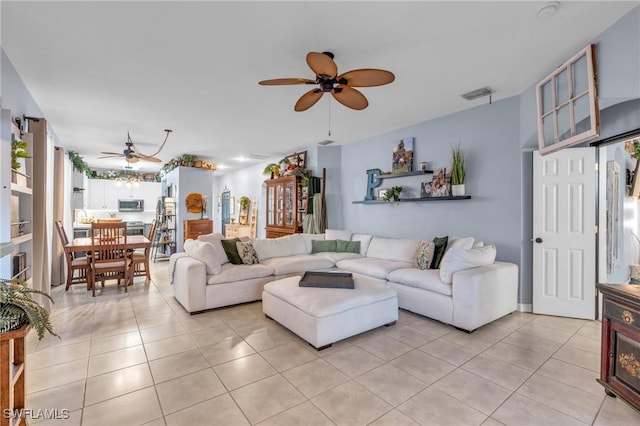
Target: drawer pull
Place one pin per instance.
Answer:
(627, 317)
(610, 354)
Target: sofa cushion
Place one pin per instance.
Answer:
(343, 246)
(206, 253)
(365, 240)
(300, 263)
(425, 255)
(230, 248)
(458, 259)
(290, 245)
(231, 273)
(337, 234)
(376, 268)
(402, 250)
(337, 257)
(319, 246)
(247, 253)
(428, 279)
(441, 246)
(215, 239)
(477, 244)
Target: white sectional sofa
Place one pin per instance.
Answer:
(458, 293)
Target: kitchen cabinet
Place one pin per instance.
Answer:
(102, 195)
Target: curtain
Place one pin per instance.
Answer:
(41, 237)
(57, 251)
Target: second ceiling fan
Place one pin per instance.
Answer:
(340, 86)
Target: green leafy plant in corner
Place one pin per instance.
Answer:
(457, 167)
(244, 202)
(79, 164)
(17, 308)
(18, 150)
(392, 194)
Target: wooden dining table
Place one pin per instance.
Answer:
(84, 244)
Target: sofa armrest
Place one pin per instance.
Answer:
(189, 283)
(484, 294)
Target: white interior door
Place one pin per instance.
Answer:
(564, 246)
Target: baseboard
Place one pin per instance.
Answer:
(525, 307)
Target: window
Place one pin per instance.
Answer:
(567, 101)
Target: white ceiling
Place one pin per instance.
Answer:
(100, 69)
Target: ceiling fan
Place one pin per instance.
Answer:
(341, 86)
(132, 155)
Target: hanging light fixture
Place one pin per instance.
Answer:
(127, 177)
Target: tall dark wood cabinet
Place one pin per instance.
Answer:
(284, 206)
(620, 355)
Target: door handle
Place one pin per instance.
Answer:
(538, 240)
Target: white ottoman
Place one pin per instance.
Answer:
(322, 316)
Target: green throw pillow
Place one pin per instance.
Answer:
(231, 250)
(348, 246)
(318, 246)
(438, 252)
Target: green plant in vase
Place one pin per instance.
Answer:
(458, 172)
(392, 194)
(18, 150)
(17, 308)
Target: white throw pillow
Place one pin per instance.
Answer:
(477, 244)
(205, 253)
(393, 249)
(247, 253)
(425, 255)
(337, 234)
(459, 242)
(458, 259)
(215, 240)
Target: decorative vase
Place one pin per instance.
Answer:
(457, 190)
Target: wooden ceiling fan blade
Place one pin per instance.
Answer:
(150, 159)
(132, 159)
(286, 81)
(111, 153)
(349, 97)
(322, 64)
(366, 77)
(308, 100)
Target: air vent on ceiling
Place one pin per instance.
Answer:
(478, 93)
(325, 142)
(258, 156)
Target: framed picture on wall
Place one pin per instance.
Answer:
(426, 190)
(402, 156)
(381, 193)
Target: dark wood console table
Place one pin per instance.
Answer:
(620, 355)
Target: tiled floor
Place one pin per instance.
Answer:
(139, 358)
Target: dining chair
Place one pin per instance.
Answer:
(74, 264)
(109, 257)
(141, 258)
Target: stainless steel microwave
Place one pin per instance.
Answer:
(130, 205)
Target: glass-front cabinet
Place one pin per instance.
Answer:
(282, 206)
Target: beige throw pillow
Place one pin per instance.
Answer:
(425, 254)
(247, 253)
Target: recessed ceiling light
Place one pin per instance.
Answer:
(548, 10)
(241, 158)
(221, 166)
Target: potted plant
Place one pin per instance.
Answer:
(392, 193)
(17, 308)
(18, 150)
(244, 202)
(272, 169)
(457, 173)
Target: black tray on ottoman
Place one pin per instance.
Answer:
(327, 279)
